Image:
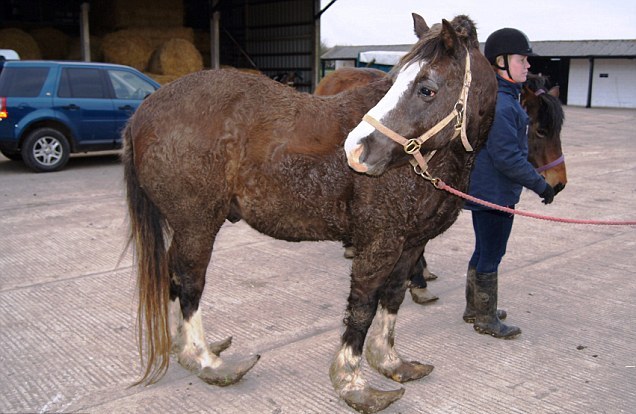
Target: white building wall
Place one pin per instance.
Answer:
(577, 82)
(613, 83)
(345, 64)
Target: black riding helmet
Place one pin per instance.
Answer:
(505, 42)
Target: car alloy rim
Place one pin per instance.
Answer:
(47, 151)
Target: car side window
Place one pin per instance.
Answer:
(81, 83)
(22, 82)
(127, 85)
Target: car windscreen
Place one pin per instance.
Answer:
(127, 85)
(22, 82)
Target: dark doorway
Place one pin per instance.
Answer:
(557, 69)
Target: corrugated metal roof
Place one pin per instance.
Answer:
(585, 48)
(551, 48)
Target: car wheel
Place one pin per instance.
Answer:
(13, 156)
(45, 150)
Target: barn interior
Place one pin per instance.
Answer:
(169, 38)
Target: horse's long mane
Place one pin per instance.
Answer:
(430, 46)
(554, 116)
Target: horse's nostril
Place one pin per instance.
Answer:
(558, 188)
(354, 161)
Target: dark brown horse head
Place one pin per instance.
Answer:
(428, 83)
(542, 104)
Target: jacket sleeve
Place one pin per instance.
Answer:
(507, 155)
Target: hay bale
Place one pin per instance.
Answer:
(158, 36)
(21, 42)
(126, 48)
(75, 49)
(53, 43)
(176, 57)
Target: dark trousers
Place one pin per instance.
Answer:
(492, 230)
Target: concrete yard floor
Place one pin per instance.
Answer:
(67, 304)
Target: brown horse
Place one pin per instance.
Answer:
(540, 101)
(347, 78)
(544, 133)
(222, 144)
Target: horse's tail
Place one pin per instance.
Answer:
(147, 229)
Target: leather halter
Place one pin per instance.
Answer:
(412, 146)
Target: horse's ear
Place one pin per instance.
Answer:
(529, 98)
(419, 25)
(449, 37)
(554, 91)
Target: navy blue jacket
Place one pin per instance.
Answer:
(502, 168)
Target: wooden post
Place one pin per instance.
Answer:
(215, 18)
(85, 37)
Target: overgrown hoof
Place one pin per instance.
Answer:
(428, 275)
(217, 347)
(410, 371)
(228, 373)
(371, 400)
(422, 296)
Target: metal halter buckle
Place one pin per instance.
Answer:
(412, 146)
(459, 107)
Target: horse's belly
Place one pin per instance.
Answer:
(295, 197)
(281, 219)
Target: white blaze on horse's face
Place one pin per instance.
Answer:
(352, 146)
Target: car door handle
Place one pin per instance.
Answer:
(126, 108)
(71, 107)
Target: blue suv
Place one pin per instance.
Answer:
(49, 110)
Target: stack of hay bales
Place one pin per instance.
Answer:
(21, 42)
(166, 53)
(47, 43)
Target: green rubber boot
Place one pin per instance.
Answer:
(469, 312)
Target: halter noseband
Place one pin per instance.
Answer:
(412, 146)
(552, 164)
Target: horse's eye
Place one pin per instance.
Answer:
(541, 133)
(427, 91)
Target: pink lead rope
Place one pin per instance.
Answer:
(443, 186)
